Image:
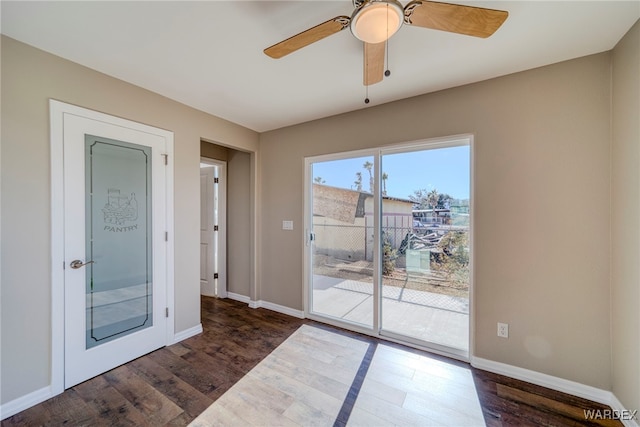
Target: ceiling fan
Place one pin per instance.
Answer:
(374, 21)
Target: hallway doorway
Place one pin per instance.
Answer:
(213, 228)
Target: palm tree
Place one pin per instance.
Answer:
(419, 198)
(368, 165)
(432, 200)
(318, 180)
(358, 181)
(385, 176)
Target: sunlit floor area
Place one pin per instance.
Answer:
(258, 367)
(318, 377)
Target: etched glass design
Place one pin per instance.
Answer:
(119, 287)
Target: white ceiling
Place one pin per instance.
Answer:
(208, 54)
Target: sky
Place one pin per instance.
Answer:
(445, 169)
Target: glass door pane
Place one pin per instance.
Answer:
(342, 249)
(425, 246)
(118, 239)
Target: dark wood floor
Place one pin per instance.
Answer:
(173, 385)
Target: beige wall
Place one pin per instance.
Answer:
(239, 246)
(625, 220)
(213, 151)
(29, 78)
(541, 157)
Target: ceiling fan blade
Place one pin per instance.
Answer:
(455, 18)
(307, 37)
(373, 62)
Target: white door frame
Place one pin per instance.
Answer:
(57, 111)
(221, 254)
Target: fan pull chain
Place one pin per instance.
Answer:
(366, 90)
(387, 73)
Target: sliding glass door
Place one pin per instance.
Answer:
(425, 246)
(341, 208)
(388, 233)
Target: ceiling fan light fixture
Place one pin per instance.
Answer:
(377, 20)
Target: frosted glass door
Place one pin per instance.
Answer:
(116, 242)
(119, 276)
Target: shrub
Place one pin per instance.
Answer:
(388, 256)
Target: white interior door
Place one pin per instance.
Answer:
(213, 228)
(115, 250)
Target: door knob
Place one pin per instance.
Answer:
(76, 263)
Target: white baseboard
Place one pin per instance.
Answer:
(187, 333)
(616, 405)
(238, 297)
(243, 298)
(281, 309)
(544, 380)
(28, 400)
(25, 402)
(559, 384)
(266, 304)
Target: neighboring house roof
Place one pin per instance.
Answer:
(343, 204)
(337, 203)
(397, 199)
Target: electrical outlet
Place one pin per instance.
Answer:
(503, 330)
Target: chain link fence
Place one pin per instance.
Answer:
(355, 242)
(421, 258)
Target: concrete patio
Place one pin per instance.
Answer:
(428, 316)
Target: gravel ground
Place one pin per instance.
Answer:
(363, 271)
